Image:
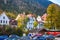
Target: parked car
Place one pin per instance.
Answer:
(58, 35)
(2, 37)
(50, 37)
(57, 38)
(12, 37)
(41, 38)
(25, 38)
(54, 33)
(45, 37)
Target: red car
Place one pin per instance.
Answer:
(54, 33)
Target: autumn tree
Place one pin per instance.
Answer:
(57, 20)
(11, 15)
(1, 11)
(22, 21)
(35, 24)
(53, 16)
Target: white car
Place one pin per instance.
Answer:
(57, 38)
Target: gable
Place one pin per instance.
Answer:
(4, 16)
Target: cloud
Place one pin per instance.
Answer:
(56, 1)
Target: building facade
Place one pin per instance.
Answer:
(40, 22)
(30, 24)
(4, 20)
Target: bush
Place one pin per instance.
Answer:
(7, 30)
(19, 32)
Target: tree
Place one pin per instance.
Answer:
(35, 24)
(11, 15)
(22, 21)
(58, 18)
(1, 11)
(19, 32)
(53, 15)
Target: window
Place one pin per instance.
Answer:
(33, 19)
(0, 21)
(6, 21)
(3, 21)
(3, 17)
(29, 28)
(30, 23)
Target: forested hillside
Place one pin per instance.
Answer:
(17, 6)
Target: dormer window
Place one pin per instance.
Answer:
(3, 17)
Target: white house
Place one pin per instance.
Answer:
(30, 22)
(4, 20)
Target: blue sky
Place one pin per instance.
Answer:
(56, 1)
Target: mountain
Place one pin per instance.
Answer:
(17, 6)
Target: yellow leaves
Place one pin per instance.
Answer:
(53, 16)
(19, 24)
(47, 25)
(1, 11)
(11, 15)
(21, 20)
(51, 8)
(35, 23)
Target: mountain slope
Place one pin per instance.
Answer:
(34, 6)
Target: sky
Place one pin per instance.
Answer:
(56, 1)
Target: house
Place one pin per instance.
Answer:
(44, 17)
(31, 21)
(20, 19)
(40, 22)
(4, 20)
(22, 15)
(13, 23)
(39, 18)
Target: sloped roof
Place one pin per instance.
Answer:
(38, 30)
(44, 16)
(20, 15)
(30, 15)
